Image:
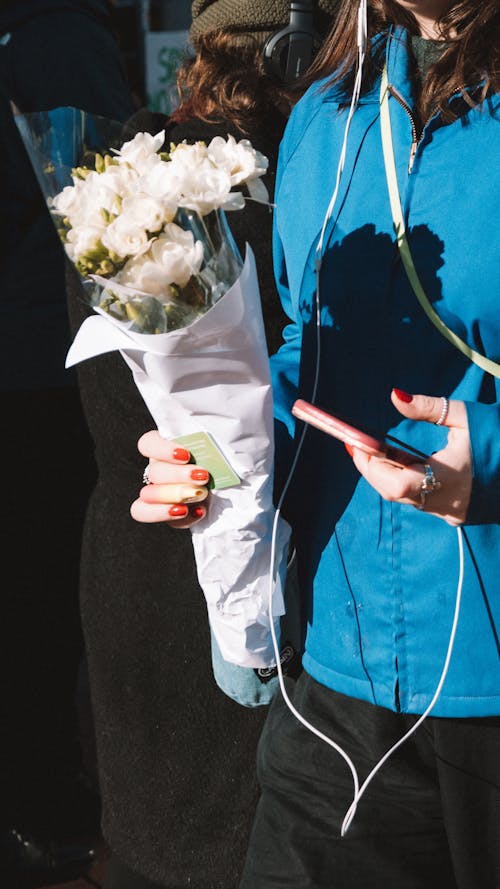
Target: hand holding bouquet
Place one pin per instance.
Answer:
(147, 230)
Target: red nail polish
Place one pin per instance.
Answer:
(349, 448)
(199, 475)
(178, 511)
(198, 512)
(403, 396)
(181, 454)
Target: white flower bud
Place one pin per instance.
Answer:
(142, 151)
(146, 212)
(125, 238)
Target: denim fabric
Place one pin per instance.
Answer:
(243, 684)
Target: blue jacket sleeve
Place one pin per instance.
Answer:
(285, 364)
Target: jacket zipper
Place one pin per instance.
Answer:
(414, 135)
(415, 139)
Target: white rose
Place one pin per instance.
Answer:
(146, 212)
(188, 156)
(100, 189)
(178, 254)
(172, 259)
(66, 202)
(142, 151)
(162, 183)
(83, 202)
(146, 276)
(83, 240)
(204, 188)
(121, 179)
(240, 159)
(124, 237)
(85, 206)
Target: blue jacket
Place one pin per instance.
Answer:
(380, 578)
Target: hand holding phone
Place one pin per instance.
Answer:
(350, 435)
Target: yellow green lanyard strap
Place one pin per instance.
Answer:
(402, 241)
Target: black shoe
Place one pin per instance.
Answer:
(27, 862)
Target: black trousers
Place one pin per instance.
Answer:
(429, 820)
(120, 876)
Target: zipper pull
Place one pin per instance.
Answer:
(413, 152)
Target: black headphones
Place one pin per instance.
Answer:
(289, 52)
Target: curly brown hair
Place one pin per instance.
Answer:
(471, 58)
(226, 81)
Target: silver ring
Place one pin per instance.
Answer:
(145, 476)
(428, 486)
(444, 412)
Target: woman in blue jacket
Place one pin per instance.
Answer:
(378, 551)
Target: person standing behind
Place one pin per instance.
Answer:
(52, 53)
(399, 561)
(176, 756)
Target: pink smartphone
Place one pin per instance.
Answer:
(355, 437)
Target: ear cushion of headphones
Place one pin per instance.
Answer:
(289, 53)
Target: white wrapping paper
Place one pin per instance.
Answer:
(213, 376)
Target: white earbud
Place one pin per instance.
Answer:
(362, 44)
(362, 26)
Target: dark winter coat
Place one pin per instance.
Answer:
(176, 756)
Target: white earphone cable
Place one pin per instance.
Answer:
(362, 42)
(362, 39)
(458, 600)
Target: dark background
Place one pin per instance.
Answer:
(132, 19)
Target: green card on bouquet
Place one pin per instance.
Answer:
(206, 453)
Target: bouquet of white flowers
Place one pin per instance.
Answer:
(146, 228)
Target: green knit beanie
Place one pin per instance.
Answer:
(258, 18)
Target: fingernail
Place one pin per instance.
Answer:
(184, 493)
(181, 454)
(403, 396)
(198, 512)
(349, 448)
(191, 495)
(178, 511)
(199, 475)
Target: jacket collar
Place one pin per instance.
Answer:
(399, 64)
(399, 68)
